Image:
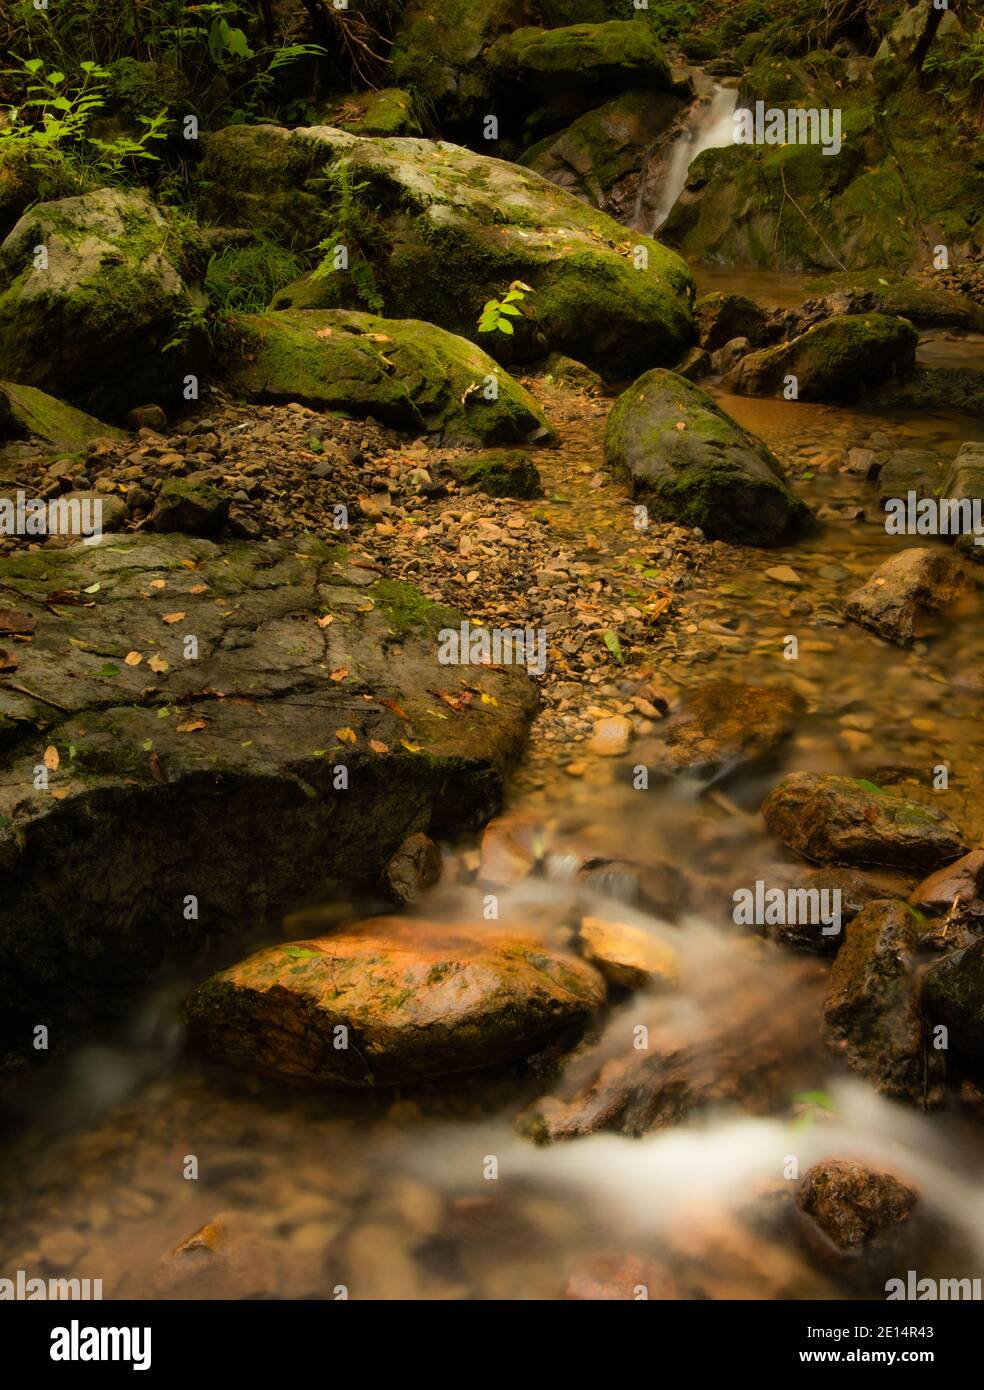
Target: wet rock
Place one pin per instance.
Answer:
(498, 473)
(197, 508)
(627, 954)
(467, 214)
(724, 726)
(147, 417)
(856, 890)
(155, 750)
(724, 317)
(964, 878)
(692, 464)
(732, 351)
(833, 361)
(694, 365)
(415, 867)
(92, 324)
(390, 111)
(903, 598)
(832, 819)
(871, 1010)
(407, 374)
(953, 996)
(576, 375)
(851, 1205)
(61, 1251)
(911, 470)
(416, 998)
(610, 737)
(931, 388)
(965, 484)
(660, 888)
(511, 846)
(228, 1257)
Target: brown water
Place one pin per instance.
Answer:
(390, 1194)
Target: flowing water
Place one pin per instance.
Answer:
(709, 128)
(431, 1192)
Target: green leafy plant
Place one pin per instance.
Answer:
(243, 279)
(354, 226)
(497, 315)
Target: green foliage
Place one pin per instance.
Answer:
(497, 315)
(243, 279)
(355, 227)
(671, 18)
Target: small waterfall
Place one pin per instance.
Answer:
(711, 128)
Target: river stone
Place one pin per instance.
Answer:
(415, 867)
(964, 878)
(498, 473)
(215, 777)
(832, 361)
(904, 597)
(965, 482)
(407, 374)
(857, 888)
(457, 228)
(871, 1010)
(92, 325)
(724, 726)
(909, 470)
(418, 998)
(198, 508)
(953, 995)
(722, 317)
(853, 1205)
(695, 465)
(832, 819)
(627, 954)
(558, 65)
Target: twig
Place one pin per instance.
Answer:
(813, 229)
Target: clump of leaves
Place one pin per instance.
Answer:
(497, 315)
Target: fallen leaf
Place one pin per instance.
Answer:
(172, 617)
(8, 661)
(92, 589)
(157, 663)
(156, 769)
(51, 758)
(410, 747)
(340, 674)
(191, 726)
(378, 746)
(345, 735)
(198, 589)
(14, 622)
(59, 793)
(327, 620)
(323, 333)
(397, 709)
(133, 658)
(158, 583)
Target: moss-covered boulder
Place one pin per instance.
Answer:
(965, 484)
(403, 372)
(392, 1000)
(693, 464)
(60, 427)
(602, 157)
(722, 317)
(190, 505)
(833, 361)
(498, 473)
(843, 820)
(435, 231)
(92, 320)
(390, 111)
(300, 721)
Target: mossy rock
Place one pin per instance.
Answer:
(390, 111)
(692, 464)
(194, 507)
(93, 323)
(452, 230)
(154, 756)
(499, 473)
(836, 359)
(405, 373)
(62, 427)
(956, 389)
(439, 51)
(614, 55)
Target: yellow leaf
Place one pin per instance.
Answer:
(198, 589)
(340, 674)
(488, 699)
(378, 746)
(410, 747)
(191, 726)
(59, 793)
(157, 663)
(345, 735)
(133, 658)
(51, 759)
(172, 617)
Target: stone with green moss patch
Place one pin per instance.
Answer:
(837, 359)
(499, 473)
(61, 427)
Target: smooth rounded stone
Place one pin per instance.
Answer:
(724, 726)
(146, 417)
(834, 360)
(659, 887)
(691, 463)
(832, 819)
(253, 735)
(729, 354)
(415, 867)
(627, 954)
(498, 473)
(194, 507)
(113, 512)
(694, 364)
(871, 1009)
(964, 878)
(417, 999)
(852, 1205)
(723, 317)
(61, 1251)
(911, 470)
(965, 483)
(904, 597)
(953, 995)
(610, 737)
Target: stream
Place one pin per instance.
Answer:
(430, 1192)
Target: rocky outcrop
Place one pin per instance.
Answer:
(905, 597)
(284, 692)
(31, 413)
(691, 463)
(835, 360)
(392, 1000)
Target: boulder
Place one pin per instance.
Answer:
(627, 954)
(415, 867)
(959, 389)
(843, 820)
(853, 1206)
(312, 744)
(721, 317)
(693, 464)
(444, 230)
(498, 473)
(61, 427)
(908, 470)
(390, 111)
(833, 361)
(92, 325)
(439, 51)
(964, 878)
(953, 996)
(405, 373)
(871, 1009)
(417, 998)
(965, 484)
(184, 504)
(904, 597)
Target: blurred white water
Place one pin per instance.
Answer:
(711, 129)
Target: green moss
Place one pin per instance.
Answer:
(499, 473)
(406, 609)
